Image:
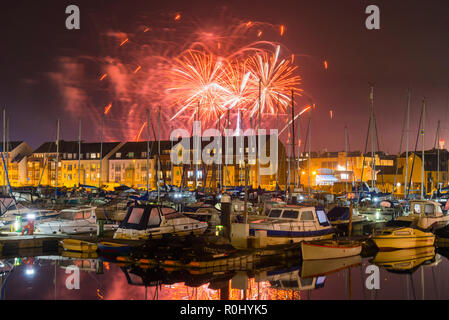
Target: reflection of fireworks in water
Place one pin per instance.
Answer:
(213, 72)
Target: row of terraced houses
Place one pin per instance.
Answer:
(126, 163)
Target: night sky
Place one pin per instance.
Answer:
(410, 50)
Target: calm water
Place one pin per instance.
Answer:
(403, 275)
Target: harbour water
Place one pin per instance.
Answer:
(51, 277)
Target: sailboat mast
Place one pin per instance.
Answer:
(310, 149)
(299, 152)
(288, 156)
(422, 134)
(79, 152)
(101, 150)
(57, 159)
(171, 162)
(346, 157)
(195, 139)
(438, 156)
(159, 154)
(148, 151)
(7, 143)
(226, 164)
(277, 127)
(260, 127)
(220, 155)
(373, 158)
(293, 140)
(406, 143)
(4, 148)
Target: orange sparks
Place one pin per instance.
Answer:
(178, 17)
(305, 109)
(259, 34)
(249, 23)
(293, 57)
(140, 132)
(124, 41)
(103, 77)
(137, 69)
(146, 29)
(107, 108)
(282, 30)
(99, 294)
(325, 64)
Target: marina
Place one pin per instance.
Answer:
(201, 151)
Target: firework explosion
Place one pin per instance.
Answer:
(188, 73)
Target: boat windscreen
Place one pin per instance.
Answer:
(275, 213)
(136, 215)
(290, 214)
(322, 218)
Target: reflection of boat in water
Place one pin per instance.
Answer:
(78, 245)
(152, 221)
(329, 249)
(151, 277)
(293, 223)
(313, 268)
(114, 249)
(290, 279)
(405, 260)
(402, 238)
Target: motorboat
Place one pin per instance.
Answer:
(293, 223)
(153, 221)
(392, 238)
(377, 210)
(206, 214)
(426, 214)
(329, 249)
(75, 220)
(11, 212)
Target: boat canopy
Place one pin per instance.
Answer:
(338, 213)
(141, 217)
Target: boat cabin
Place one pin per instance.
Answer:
(141, 217)
(78, 213)
(426, 207)
(297, 213)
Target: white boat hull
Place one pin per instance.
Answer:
(156, 233)
(317, 251)
(60, 227)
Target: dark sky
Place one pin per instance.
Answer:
(410, 50)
